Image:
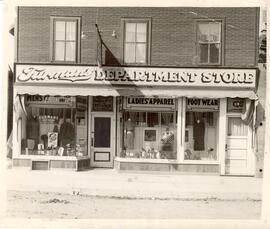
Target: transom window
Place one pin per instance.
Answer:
(209, 42)
(65, 39)
(136, 41)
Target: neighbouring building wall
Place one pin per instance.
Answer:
(260, 124)
(173, 33)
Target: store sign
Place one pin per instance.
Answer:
(202, 104)
(101, 103)
(136, 76)
(153, 103)
(32, 100)
(235, 105)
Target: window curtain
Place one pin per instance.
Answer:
(133, 116)
(167, 117)
(248, 111)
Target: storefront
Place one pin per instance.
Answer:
(135, 118)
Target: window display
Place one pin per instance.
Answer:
(149, 135)
(201, 135)
(55, 126)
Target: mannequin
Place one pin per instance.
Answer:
(199, 132)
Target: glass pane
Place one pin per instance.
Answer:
(52, 131)
(129, 56)
(130, 32)
(102, 135)
(151, 139)
(141, 32)
(71, 31)
(59, 30)
(166, 119)
(203, 53)
(203, 32)
(141, 53)
(214, 53)
(70, 51)
(59, 52)
(236, 127)
(201, 133)
(214, 31)
(209, 32)
(152, 119)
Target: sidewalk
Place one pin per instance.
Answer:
(110, 183)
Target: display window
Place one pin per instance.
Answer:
(54, 126)
(201, 135)
(201, 129)
(149, 135)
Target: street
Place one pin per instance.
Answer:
(40, 204)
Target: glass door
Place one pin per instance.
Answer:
(102, 150)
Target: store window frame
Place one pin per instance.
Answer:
(77, 40)
(221, 42)
(156, 129)
(40, 109)
(183, 137)
(148, 22)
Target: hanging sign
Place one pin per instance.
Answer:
(152, 103)
(135, 76)
(235, 105)
(202, 104)
(39, 100)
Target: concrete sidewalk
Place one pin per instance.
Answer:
(113, 184)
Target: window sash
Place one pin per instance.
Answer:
(66, 41)
(133, 58)
(217, 42)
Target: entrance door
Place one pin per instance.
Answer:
(102, 149)
(238, 148)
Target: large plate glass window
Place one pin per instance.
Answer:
(136, 41)
(201, 129)
(65, 39)
(209, 42)
(54, 126)
(149, 135)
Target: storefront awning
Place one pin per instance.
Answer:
(83, 90)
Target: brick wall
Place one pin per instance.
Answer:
(173, 32)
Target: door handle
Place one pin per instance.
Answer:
(92, 141)
(226, 147)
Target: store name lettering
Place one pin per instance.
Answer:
(148, 101)
(131, 75)
(202, 102)
(47, 99)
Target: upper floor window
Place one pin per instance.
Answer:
(136, 41)
(209, 42)
(65, 39)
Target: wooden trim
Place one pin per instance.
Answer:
(257, 37)
(77, 41)
(222, 40)
(222, 134)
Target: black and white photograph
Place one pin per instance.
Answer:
(133, 111)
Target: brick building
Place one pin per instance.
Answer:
(170, 89)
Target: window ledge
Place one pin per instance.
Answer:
(146, 160)
(165, 161)
(200, 162)
(46, 157)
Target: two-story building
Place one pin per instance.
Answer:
(167, 89)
